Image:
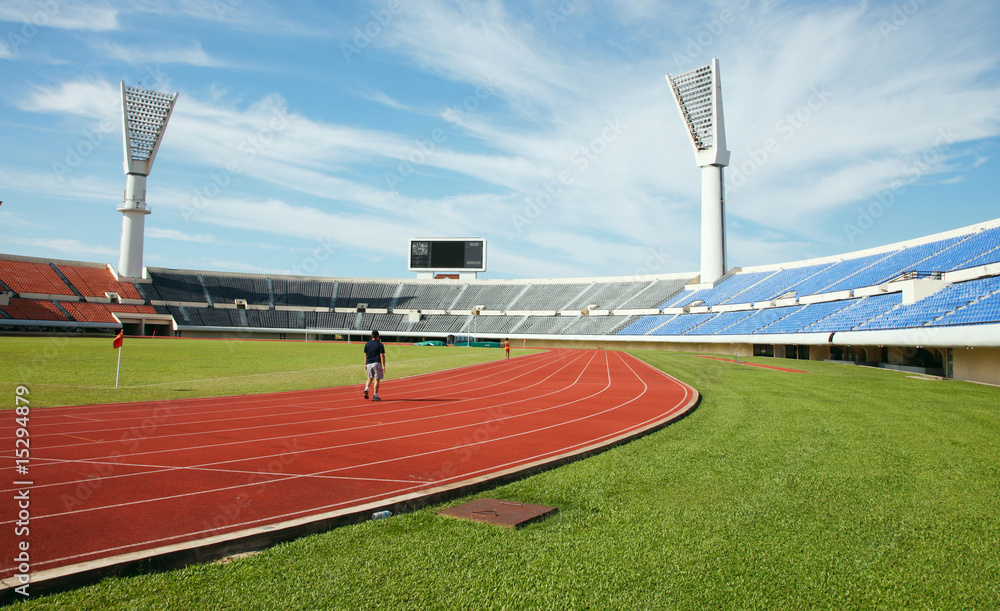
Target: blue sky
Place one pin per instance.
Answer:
(317, 138)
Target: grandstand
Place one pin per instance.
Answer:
(44, 294)
(931, 305)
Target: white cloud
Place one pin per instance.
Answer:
(843, 127)
(95, 99)
(173, 234)
(5, 52)
(72, 247)
(63, 14)
(823, 110)
(71, 186)
(383, 98)
(194, 55)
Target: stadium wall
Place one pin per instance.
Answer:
(977, 365)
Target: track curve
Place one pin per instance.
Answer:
(117, 484)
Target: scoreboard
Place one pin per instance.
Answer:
(447, 254)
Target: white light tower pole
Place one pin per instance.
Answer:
(144, 117)
(698, 94)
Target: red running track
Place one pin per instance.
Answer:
(133, 480)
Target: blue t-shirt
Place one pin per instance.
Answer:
(372, 349)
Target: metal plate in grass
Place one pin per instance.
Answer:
(503, 513)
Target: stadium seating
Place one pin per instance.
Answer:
(755, 323)
(804, 316)
(654, 295)
(730, 289)
(607, 295)
(858, 311)
(204, 299)
(440, 324)
(32, 277)
(101, 312)
(227, 289)
(645, 324)
(977, 248)
(497, 325)
(720, 323)
(776, 285)
(682, 324)
(985, 310)
(34, 309)
(169, 286)
(830, 276)
(374, 294)
(493, 296)
(544, 296)
(414, 296)
(597, 325)
(544, 325)
(97, 281)
(907, 259)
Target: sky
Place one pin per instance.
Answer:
(317, 138)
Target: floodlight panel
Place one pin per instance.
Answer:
(694, 91)
(145, 114)
(698, 94)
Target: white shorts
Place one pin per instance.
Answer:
(375, 371)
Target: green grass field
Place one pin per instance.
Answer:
(843, 488)
(81, 371)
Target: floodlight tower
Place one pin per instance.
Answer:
(698, 94)
(144, 117)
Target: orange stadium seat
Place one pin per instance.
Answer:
(96, 281)
(33, 309)
(101, 312)
(28, 277)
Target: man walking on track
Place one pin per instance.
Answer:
(506, 349)
(374, 364)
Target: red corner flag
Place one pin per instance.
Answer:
(118, 346)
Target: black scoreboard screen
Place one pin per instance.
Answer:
(448, 254)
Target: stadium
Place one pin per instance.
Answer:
(813, 433)
(930, 305)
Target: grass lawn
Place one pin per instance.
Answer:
(841, 488)
(81, 371)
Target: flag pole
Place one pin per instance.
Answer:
(119, 341)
